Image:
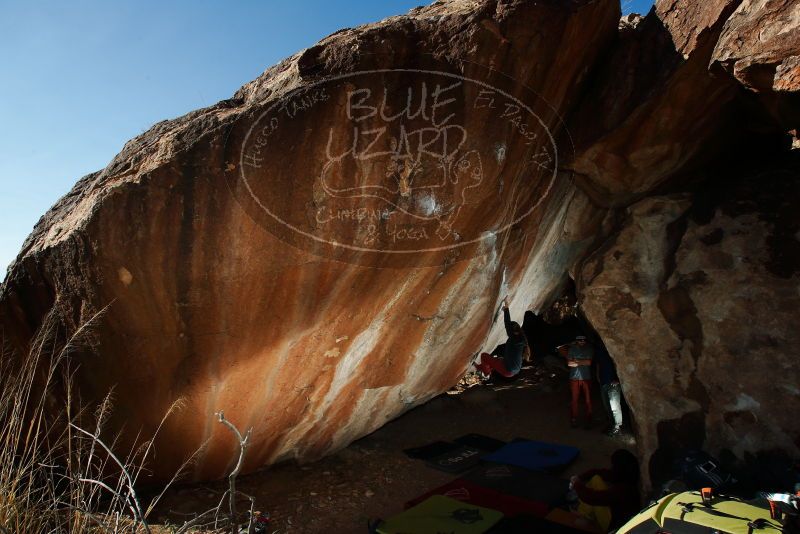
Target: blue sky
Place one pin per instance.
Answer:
(80, 78)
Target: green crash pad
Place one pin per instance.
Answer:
(441, 514)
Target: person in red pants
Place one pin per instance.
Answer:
(579, 356)
(506, 359)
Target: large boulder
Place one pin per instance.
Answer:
(695, 297)
(760, 45)
(328, 248)
(653, 108)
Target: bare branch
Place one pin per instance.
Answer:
(243, 444)
(138, 516)
(111, 491)
(194, 522)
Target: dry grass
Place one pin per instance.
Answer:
(55, 475)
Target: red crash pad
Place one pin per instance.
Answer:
(471, 493)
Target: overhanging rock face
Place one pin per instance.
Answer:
(328, 248)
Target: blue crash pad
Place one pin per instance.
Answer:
(535, 455)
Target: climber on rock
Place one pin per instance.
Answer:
(506, 359)
(579, 356)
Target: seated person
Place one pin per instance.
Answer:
(609, 497)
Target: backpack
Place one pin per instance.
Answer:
(698, 469)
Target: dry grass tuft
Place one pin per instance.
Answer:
(58, 477)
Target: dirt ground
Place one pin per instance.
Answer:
(373, 477)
